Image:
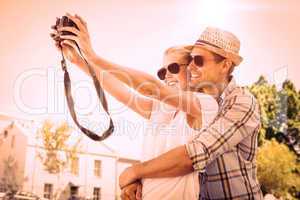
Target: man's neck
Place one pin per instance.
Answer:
(216, 90)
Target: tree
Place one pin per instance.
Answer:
(267, 98)
(12, 179)
(276, 169)
(54, 141)
(290, 102)
(58, 152)
(280, 112)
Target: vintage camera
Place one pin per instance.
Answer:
(63, 22)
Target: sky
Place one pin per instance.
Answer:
(135, 34)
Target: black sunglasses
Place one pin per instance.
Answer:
(174, 68)
(198, 60)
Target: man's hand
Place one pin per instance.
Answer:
(132, 191)
(81, 37)
(173, 163)
(128, 176)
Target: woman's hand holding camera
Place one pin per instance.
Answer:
(68, 41)
(68, 48)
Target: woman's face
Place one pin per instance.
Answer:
(178, 80)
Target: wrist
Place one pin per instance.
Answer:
(92, 56)
(137, 171)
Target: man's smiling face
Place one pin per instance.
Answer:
(204, 69)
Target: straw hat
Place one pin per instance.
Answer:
(220, 42)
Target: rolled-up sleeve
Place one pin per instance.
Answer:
(237, 119)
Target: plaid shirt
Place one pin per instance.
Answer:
(225, 152)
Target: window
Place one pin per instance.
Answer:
(97, 168)
(2, 187)
(74, 190)
(97, 193)
(75, 166)
(48, 188)
(5, 133)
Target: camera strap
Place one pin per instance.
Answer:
(100, 94)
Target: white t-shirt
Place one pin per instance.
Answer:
(165, 132)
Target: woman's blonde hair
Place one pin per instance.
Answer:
(183, 52)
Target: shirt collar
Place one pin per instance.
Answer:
(229, 88)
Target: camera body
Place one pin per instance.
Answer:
(64, 21)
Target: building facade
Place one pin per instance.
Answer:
(92, 174)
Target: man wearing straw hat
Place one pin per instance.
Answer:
(224, 152)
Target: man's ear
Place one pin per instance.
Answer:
(227, 66)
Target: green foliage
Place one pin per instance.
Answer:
(293, 104)
(12, 180)
(58, 154)
(276, 169)
(266, 96)
(280, 112)
(278, 166)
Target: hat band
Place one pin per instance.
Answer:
(200, 42)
